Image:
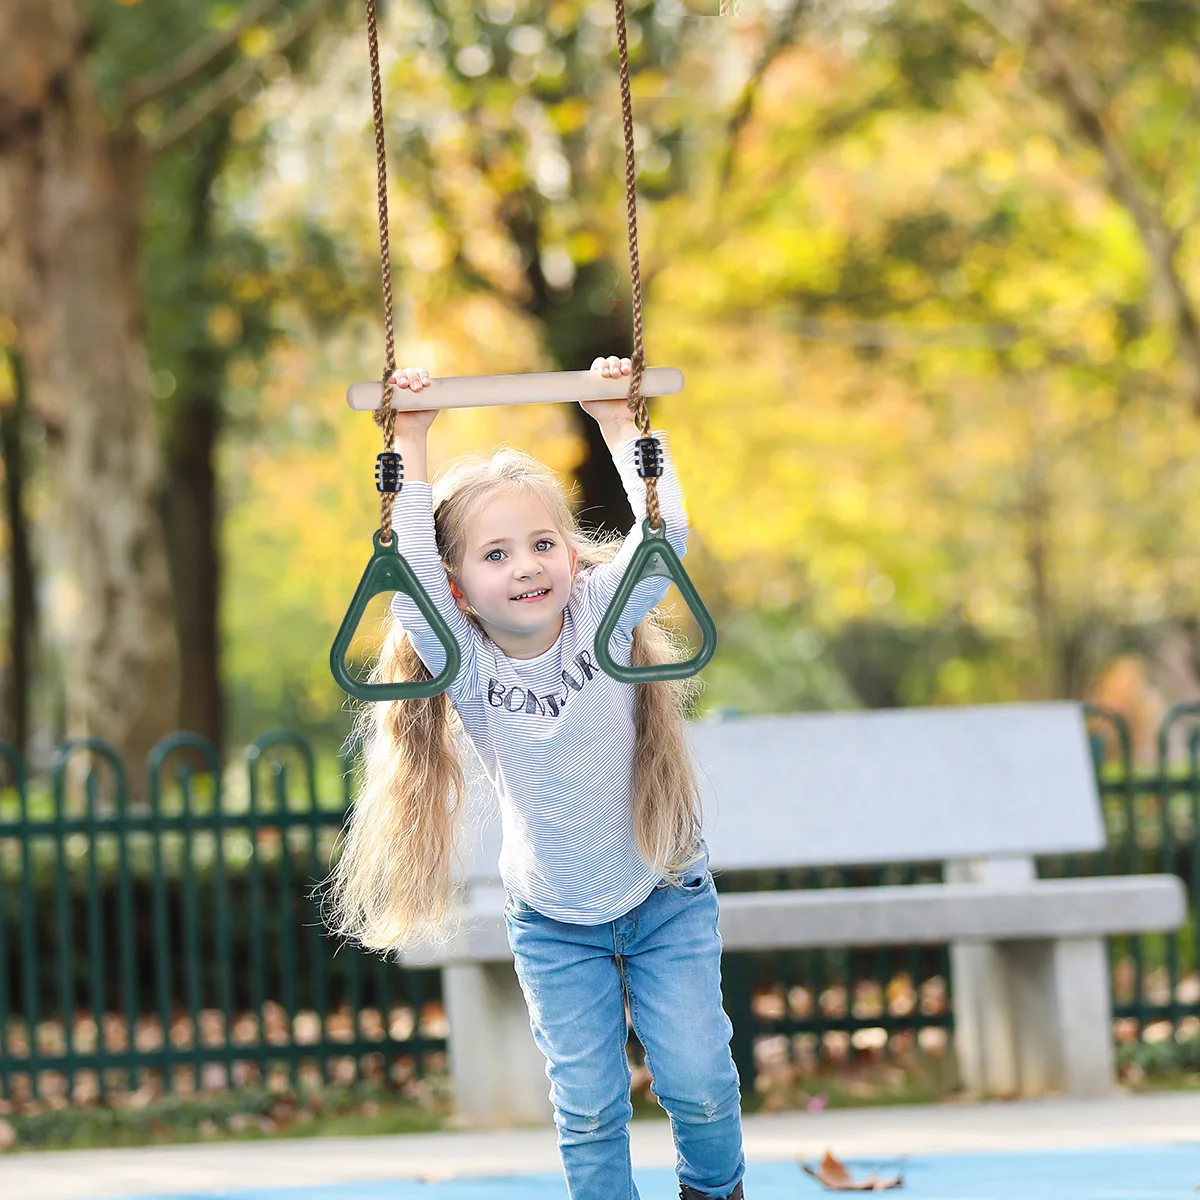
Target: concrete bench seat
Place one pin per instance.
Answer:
(981, 790)
(932, 914)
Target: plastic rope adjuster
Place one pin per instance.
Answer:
(389, 472)
(647, 454)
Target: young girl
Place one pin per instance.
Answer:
(609, 897)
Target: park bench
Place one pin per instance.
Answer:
(981, 790)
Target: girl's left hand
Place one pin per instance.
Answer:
(604, 411)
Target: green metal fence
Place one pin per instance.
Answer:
(180, 939)
(177, 941)
(1152, 814)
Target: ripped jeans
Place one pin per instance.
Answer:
(665, 955)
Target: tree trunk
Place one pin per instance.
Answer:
(190, 509)
(1035, 525)
(576, 336)
(69, 222)
(604, 505)
(22, 606)
(191, 522)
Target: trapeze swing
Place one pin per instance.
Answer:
(389, 571)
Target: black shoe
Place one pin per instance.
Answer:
(687, 1193)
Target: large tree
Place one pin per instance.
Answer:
(16, 692)
(74, 167)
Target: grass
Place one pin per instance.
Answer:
(920, 1080)
(368, 1109)
(249, 1114)
(1170, 1062)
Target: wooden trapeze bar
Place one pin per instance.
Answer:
(538, 387)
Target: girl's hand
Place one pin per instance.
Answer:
(607, 411)
(411, 422)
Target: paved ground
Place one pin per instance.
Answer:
(984, 1135)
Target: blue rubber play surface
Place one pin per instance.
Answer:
(1111, 1173)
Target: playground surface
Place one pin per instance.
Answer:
(1127, 1147)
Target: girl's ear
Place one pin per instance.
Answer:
(574, 560)
(459, 598)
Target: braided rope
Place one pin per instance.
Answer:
(637, 402)
(385, 416)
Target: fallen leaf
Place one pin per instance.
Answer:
(833, 1175)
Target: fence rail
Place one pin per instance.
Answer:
(177, 943)
(182, 940)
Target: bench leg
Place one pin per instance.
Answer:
(1063, 1016)
(496, 1070)
(984, 1032)
(984, 1041)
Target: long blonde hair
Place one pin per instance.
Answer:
(393, 885)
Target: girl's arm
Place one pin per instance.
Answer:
(620, 435)
(412, 525)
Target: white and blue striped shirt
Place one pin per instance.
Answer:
(554, 733)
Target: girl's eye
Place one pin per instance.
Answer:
(544, 542)
(489, 557)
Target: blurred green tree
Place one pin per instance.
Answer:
(981, 223)
(112, 136)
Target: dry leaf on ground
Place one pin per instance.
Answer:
(833, 1175)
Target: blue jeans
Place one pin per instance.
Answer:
(665, 955)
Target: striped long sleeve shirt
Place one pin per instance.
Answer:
(554, 733)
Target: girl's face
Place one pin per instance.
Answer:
(516, 572)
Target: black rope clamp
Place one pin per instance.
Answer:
(389, 472)
(648, 456)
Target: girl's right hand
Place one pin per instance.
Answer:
(412, 379)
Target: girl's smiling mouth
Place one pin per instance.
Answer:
(532, 596)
